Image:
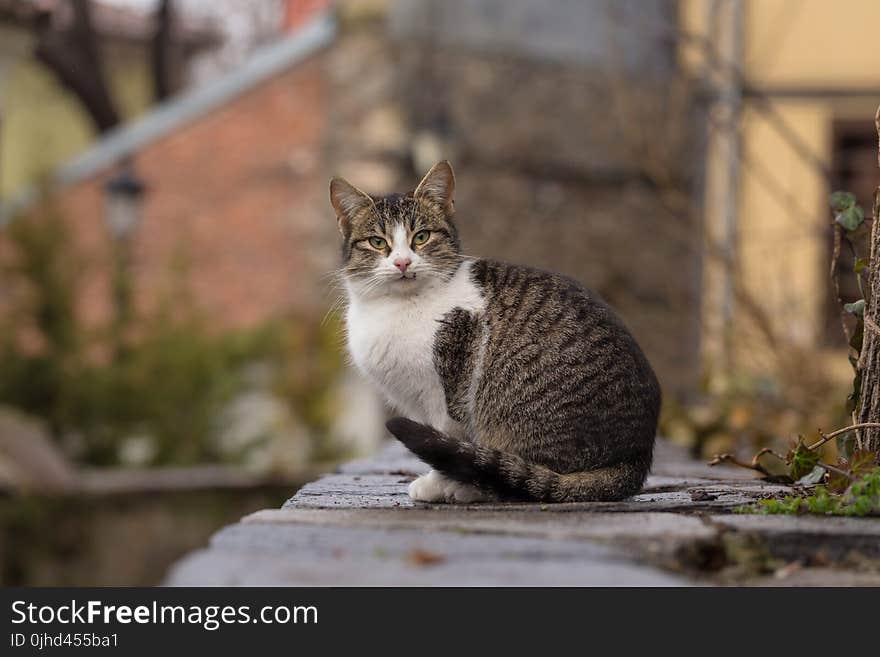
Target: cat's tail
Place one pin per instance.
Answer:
(509, 475)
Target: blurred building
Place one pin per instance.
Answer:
(234, 172)
(220, 166)
(795, 88)
(229, 192)
(591, 138)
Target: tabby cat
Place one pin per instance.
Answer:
(515, 383)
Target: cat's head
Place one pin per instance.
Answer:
(401, 243)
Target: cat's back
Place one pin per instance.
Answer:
(532, 296)
(542, 319)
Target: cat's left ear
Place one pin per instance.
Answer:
(438, 185)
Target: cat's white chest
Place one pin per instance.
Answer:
(391, 340)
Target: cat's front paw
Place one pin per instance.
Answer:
(434, 488)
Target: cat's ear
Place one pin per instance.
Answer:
(347, 201)
(438, 185)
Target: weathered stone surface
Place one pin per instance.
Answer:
(354, 491)
(381, 482)
(359, 527)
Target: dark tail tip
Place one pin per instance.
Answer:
(408, 432)
(435, 448)
(398, 425)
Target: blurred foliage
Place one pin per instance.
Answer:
(310, 359)
(40, 340)
(751, 412)
(160, 380)
(170, 387)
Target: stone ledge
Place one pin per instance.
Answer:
(358, 526)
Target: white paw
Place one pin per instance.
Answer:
(428, 488)
(434, 487)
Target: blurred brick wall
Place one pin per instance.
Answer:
(234, 209)
(298, 12)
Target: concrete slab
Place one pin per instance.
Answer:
(809, 538)
(256, 554)
(599, 526)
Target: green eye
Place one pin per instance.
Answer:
(377, 242)
(421, 237)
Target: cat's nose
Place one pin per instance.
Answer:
(402, 264)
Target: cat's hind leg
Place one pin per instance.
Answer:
(434, 487)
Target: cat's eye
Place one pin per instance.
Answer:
(377, 242)
(421, 237)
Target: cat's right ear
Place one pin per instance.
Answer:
(347, 201)
(439, 185)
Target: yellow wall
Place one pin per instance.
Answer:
(783, 243)
(44, 125)
(804, 42)
(790, 49)
(797, 42)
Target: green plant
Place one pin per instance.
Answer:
(862, 498)
(169, 388)
(850, 229)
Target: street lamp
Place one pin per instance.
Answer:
(123, 205)
(123, 195)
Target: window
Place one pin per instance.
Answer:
(854, 169)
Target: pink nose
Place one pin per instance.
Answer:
(402, 264)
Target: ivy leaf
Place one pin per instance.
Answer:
(801, 459)
(856, 308)
(850, 218)
(841, 201)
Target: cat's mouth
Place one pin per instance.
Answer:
(407, 277)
